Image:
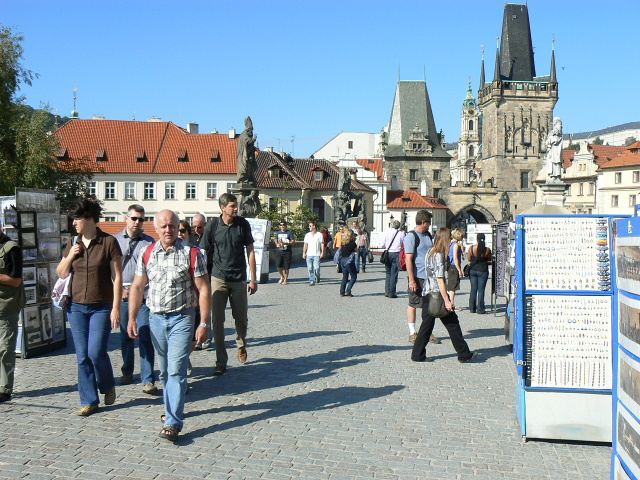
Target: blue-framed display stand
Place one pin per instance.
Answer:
(564, 306)
(626, 376)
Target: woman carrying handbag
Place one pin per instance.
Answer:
(439, 305)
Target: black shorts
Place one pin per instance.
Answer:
(415, 298)
(283, 260)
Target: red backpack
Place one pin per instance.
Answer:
(193, 259)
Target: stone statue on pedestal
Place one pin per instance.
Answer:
(554, 158)
(247, 155)
(250, 206)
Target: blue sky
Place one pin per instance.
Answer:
(311, 69)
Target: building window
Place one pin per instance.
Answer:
(149, 191)
(129, 190)
(149, 220)
(170, 191)
(618, 177)
(350, 144)
(318, 208)
(109, 218)
(318, 176)
(569, 190)
(471, 125)
(273, 203)
(109, 190)
(632, 201)
(436, 192)
(92, 189)
(525, 179)
(437, 175)
(581, 189)
(471, 150)
(413, 174)
(592, 188)
(188, 219)
(636, 176)
(191, 191)
(614, 200)
(212, 190)
(230, 187)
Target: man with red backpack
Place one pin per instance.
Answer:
(173, 270)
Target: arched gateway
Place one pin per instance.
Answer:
(472, 213)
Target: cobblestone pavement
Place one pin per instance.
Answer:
(328, 392)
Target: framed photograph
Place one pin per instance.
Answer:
(58, 324)
(46, 323)
(49, 250)
(35, 199)
(30, 294)
(31, 319)
(53, 274)
(29, 255)
(27, 220)
(28, 240)
(12, 233)
(29, 275)
(43, 288)
(48, 224)
(64, 223)
(10, 217)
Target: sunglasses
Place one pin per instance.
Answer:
(183, 230)
(137, 219)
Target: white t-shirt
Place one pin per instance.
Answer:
(314, 243)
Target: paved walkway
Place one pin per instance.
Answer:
(328, 392)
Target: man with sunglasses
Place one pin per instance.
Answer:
(133, 242)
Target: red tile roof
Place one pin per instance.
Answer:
(116, 227)
(374, 165)
(411, 199)
(119, 146)
(602, 154)
(567, 157)
(629, 158)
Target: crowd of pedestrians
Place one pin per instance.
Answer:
(171, 295)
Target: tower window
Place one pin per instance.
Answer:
(413, 174)
(525, 179)
(437, 175)
(471, 125)
(471, 150)
(436, 193)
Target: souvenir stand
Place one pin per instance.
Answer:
(500, 256)
(626, 373)
(32, 218)
(564, 306)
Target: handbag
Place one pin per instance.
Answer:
(61, 293)
(437, 307)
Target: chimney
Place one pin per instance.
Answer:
(192, 127)
(215, 130)
(423, 188)
(154, 119)
(98, 117)
(268, 149)
(232, 133)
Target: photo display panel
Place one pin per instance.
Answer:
(568, 341)
(565, 253)
(628, 441)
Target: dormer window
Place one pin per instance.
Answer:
(318, 175)
(275, 172)
(141, 156)
(101, 155)
(215, 156)
(183, 156)
(62, 153)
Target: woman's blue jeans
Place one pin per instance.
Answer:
(478, 285)
(90, 327)
(349, 275)
(171, 334)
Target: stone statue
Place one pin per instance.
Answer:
(344, 182)
(554, 158)
(250, 206)
(247, 155)
(403, 220)
(362, 213)
(505, 207)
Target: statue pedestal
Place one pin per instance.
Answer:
(553, 193)
(248, 201)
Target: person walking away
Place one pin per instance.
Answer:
(362, 244)
(454, 271)
(435, 282)
(348, 254)
(479, 260)
(133, 242)
(284, 241)
(417, 244)
(392, 242)
(12, 299)
(96, 291)
(312, 251)
(225, 240)
(173, 269)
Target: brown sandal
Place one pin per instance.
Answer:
(169, 433)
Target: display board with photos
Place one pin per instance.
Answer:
(501, 256)
(568, 341)
(32, 218)
(567, 253)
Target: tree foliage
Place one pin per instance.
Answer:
(629, 141)
(27, 147)
(598, 141)
(296, 220)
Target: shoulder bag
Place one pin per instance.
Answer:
(437, 307)
(61, 293)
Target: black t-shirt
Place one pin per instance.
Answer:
(13, 260)
(348, 249)
(225, 251)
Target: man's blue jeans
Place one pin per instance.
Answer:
(127, 344)
(171, 335)
(90, 327)
(313, 265)
(391, 270)
(362, 259)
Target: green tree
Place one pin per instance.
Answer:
(629, 141)
(598, 141)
